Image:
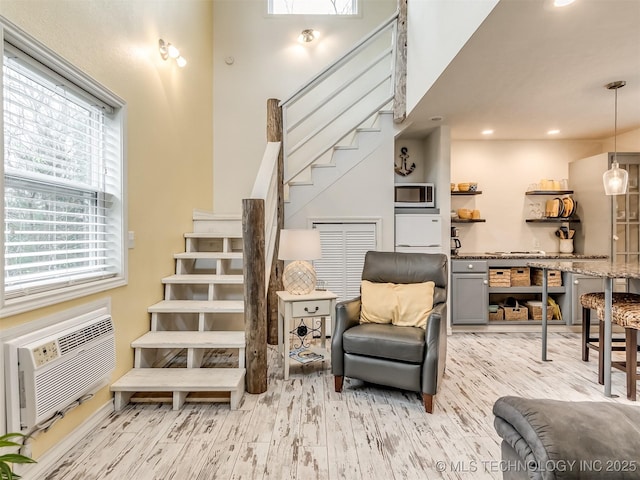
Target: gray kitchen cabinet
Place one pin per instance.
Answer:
(581, 284)
(470, 294)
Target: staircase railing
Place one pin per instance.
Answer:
(339, 99)
(260, 227)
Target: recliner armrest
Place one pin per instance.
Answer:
(347, 316)
(435, 355)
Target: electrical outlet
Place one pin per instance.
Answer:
(536, 243)
(45, 353)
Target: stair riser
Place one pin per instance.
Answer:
(194, 322)
(225, 244)
(204, 292)
(222, 227)
(206, 266)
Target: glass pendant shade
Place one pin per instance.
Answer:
(615, 180)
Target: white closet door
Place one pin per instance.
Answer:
(344, 246)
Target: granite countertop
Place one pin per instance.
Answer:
(596, 269)
(532, 255)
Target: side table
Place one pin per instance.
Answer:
(317, 304)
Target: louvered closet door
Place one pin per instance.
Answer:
(344, 246)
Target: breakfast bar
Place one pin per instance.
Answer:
(608, 272)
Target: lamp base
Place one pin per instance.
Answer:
(299, 278)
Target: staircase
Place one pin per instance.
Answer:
(202, 311)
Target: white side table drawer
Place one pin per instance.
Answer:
(311, 308)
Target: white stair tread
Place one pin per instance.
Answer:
(180, 380)
(208, 255)
(192, 339)
(212, 235)
(197, 306)
(204, 279)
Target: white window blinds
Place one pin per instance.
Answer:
(62, 177)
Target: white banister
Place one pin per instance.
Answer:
(265, 188)
(339, 99)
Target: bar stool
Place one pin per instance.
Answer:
(627, 315)
(595, 301)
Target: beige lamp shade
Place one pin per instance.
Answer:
(299, 245)
(299, 277)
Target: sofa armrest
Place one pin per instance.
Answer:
(347, 316)
(560, 440)
(435, 354)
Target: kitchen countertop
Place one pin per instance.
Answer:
(538, 256)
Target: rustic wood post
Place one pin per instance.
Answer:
(400, 95)
(253, 269)
(274, 134)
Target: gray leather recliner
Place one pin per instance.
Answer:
(409, 358)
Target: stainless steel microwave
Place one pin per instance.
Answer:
(415, 195)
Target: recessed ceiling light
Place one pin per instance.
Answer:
(562, 3)
(487, 132)
(553, 132)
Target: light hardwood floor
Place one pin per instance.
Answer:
(302, 429)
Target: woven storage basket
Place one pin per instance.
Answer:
(554, 277)
(499, 277)
(519, 312)
(499, 315)
(520, 277)
(535, 310)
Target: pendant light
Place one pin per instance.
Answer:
(615, 179)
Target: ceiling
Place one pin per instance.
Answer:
(531, 67)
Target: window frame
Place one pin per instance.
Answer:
(22, 41)
(357, 6)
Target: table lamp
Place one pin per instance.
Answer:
(299, 276)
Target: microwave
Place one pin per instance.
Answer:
(415, 195)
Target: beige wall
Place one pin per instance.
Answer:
(504, 170)
(169, 139)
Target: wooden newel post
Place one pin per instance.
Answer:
(255, 312)
(274, 134)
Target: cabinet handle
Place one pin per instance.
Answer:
(470, 265)
(485, 282)
(576, 282)
(309, 311)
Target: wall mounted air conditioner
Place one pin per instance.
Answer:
(56, 369)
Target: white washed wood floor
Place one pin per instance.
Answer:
(302, 429)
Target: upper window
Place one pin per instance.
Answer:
(313, 7)
(62, 179)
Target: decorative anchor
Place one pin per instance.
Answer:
(301, 332)
(402, 169)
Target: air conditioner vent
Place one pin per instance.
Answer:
(85, 335)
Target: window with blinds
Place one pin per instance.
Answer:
(62, 178)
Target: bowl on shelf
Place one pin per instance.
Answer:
(464, 187)
(473, 186)
(465, 213)
(493, 308)
(453, 187)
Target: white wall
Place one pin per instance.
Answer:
(268, 62)
(504, 170)
(436, 31)
(364, 192)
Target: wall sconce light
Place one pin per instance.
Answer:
(308, 35)
(615, 179)
(168, 51)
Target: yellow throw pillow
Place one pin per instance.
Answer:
(414, 304)
(378, 302)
